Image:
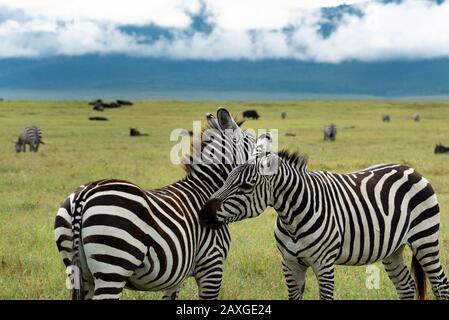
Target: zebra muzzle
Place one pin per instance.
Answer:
(208, 214)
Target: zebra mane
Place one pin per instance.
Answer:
(187, 166)
(294, 158)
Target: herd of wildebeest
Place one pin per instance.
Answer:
(32, 136)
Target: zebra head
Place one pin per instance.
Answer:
(218, 148)
(18, 146)
(248, 189)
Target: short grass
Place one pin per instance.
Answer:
(77, 150)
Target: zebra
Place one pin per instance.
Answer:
(112, 233)
(330, 132)
(326, 219)
(386, 118)
(31, 136)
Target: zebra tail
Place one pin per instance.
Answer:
(420, 279)
(77, 279)
(77, 271)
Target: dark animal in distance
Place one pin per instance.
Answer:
(94, 102)
(330, 132)
(133, 132)
(124, 102)
(251, 114)
(31, 136)
(416, 117)
(439, 148)
(386, 118)
(283, 114)
(98, 107)
(98, 118)
(111, 105)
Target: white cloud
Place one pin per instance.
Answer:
(166, 13)
(249, 29)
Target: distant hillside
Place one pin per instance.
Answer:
(108, 73)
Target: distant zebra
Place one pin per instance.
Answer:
(386, 118)
(114, 234)
(31, 136)
(416, 117)
(326, 219)
(330, 132)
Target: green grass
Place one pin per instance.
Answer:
(77, 150)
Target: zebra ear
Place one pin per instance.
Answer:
(225, 120)
(213, 123)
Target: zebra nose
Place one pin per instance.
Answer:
(208, 214)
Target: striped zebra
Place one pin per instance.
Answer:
(326, 219)
(31, 136)
(113, 234)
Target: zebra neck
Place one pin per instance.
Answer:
(293, 194)
(209, 177)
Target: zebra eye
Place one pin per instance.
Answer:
(245, 188)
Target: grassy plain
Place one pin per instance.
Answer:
(77, 151)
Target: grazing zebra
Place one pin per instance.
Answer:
(326, 219)
(31, 136)
(115, 234)
(330, 132)
(386, 118)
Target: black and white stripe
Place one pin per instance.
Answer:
(121, 235)
(326, 219)
(31, 136)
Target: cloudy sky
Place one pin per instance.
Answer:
(317, 31)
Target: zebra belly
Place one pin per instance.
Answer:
(362, 250)
(157, 274)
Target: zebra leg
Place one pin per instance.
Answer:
(295, 278)
(400, 275)
(110, 273)
(171, 294)
(208, 277)
(325, 277)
